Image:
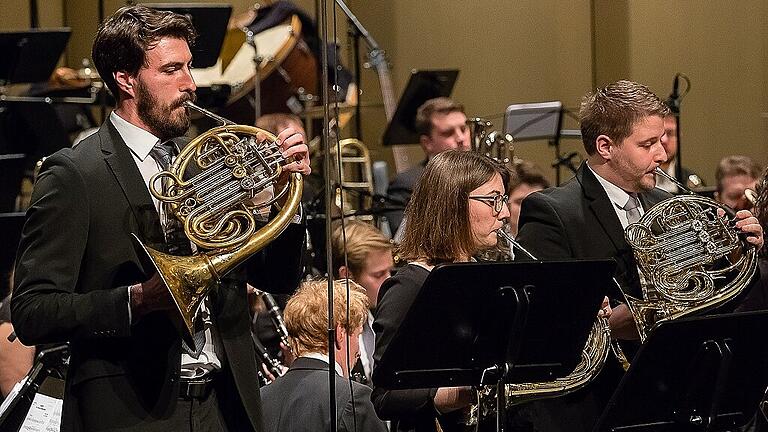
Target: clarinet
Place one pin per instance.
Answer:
(276, 316)
(273, 365)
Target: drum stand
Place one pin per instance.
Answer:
(250, 39)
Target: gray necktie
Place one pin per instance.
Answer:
(176, 241)
(632, 207)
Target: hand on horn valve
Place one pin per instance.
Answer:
(294, 149)
(749, 225)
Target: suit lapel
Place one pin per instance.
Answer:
(601, 207)
(603, 211)
(120, 162)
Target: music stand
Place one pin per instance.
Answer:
(693, 374)
(30, 56)
(537, 121)
(489, 323)
(210, 21)
(422, 86)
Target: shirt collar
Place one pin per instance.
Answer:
(617, 195)
(324, 358)
(139, 141)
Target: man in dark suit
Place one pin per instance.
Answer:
(442, 125)
(622, 127)
(80, 279)
(299, 400)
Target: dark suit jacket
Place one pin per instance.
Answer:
(75, 262)
(298, 401)
(400, 190)
(577, 220)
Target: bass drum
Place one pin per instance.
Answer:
(286, 68)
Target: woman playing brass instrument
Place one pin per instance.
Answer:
(456, 208)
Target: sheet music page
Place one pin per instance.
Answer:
(44, 415)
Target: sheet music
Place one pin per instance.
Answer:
(44, 415)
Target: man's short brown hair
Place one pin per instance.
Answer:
(614, 109)
(306, 314)
(123, 40)
(362, 238)
(526, 172)
(735, 165)
(440, 105)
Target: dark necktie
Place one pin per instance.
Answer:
(176, 241)
(632, 207)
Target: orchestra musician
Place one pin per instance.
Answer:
(298, 401)
(456, 208)
(80, 279)
(622, 126)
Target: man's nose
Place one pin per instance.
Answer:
(187, 82)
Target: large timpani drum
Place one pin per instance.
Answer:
(286, 68)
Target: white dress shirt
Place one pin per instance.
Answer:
(618, 197)
(140, 142)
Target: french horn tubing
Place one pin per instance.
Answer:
(212, 189)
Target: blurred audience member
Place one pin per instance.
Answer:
(525, 179)
(669, 142)
(735, 174)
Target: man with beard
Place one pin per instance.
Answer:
(622, 128)
(80, 279)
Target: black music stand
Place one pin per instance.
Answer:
(210, 21)
(422, 86)
(486, 323)
(695, 374)
(30, 56)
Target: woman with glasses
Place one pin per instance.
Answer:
(454, 212)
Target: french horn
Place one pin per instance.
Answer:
(592, 360)
(690, 260)
(212, 188)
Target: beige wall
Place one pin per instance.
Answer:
(536, 50)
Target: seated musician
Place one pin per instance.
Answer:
(455, 209)
(368, 262)
(298, 401)
(442, 125)
(622, 127)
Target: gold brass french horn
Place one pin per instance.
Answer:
(593, 357)
(216, 205)
(690, 260)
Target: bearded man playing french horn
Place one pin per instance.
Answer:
(80, 278)
(622, 126)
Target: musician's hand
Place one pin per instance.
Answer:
(149, 296)
(294, 150)
(449, 399)
(749, 225)
(622, 323)
(605, 308)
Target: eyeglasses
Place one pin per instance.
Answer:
(497, 201)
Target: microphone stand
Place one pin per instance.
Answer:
(674, 105)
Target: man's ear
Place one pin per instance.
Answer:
(344, 273)
(341, 337)
(426, 144)
(125, 82)
(603, 144)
